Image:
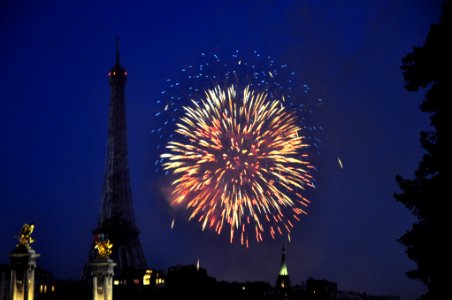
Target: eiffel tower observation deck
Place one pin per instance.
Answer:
(116, 218)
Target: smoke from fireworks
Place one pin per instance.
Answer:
(239, 161)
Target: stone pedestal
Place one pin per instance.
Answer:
(102, 277)
(23, 265)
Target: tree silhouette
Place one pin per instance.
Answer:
(427, 196)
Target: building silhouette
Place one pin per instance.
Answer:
(116, 218)
(320, 289)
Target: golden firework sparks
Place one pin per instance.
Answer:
(241, 164)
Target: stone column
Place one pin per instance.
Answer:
(23, 265)
(102, 277)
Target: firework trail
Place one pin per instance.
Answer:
(239, 161)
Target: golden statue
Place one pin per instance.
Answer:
(103, 246)
(25, 235)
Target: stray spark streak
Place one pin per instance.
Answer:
(239, 162)
(339, 161)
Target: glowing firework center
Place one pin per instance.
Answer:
(240, 162)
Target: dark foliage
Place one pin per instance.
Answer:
(427, 196)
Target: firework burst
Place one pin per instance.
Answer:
(262, 73)
(239, 161)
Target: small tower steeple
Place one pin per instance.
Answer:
(283, 271)
(283, 280)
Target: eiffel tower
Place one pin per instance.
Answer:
(116, 218)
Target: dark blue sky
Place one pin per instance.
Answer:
(55, 56)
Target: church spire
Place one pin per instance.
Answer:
(283, 280)
(283, 271)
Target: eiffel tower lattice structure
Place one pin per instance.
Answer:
(116, 218)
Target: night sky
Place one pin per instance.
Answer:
(54, 91)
